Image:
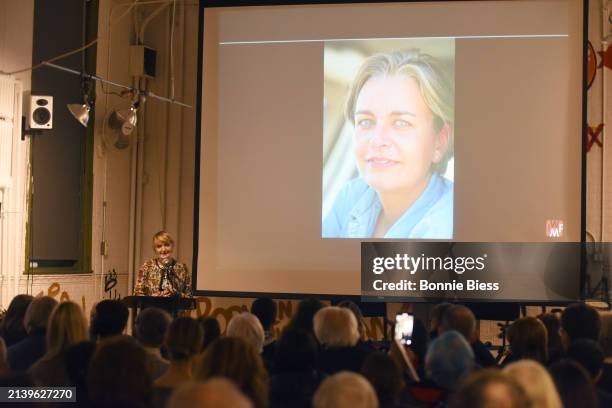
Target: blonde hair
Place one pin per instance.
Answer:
(436, 88)
(163, 237)
(536, 382)
(67, 326)
(248, 327)
(345, 390)
(336, 327)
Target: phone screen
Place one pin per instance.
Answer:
(404, 324)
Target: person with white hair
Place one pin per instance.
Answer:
(214, 393)
(337, 331)
(536, 382)
(247, 327)
(345, 390)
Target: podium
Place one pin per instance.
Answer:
(172, 304)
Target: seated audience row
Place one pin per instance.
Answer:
(323, 358)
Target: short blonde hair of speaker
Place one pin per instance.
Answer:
(163, 237)
(247, 327)
(437, 90)
(536, 382)
(336, 327)
(67, 326)
(345, 390)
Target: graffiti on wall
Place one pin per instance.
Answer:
(207, 306)
(54, 290)
(374, 326)
(110, 281)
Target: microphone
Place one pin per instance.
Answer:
(168, 273)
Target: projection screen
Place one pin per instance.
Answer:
(281, 166)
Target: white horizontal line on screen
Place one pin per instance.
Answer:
(394, 38)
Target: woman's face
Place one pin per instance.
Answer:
(163, 250)
(394, 141)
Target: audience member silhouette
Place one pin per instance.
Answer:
(211, 328)
(385, 375)
(238, 360)
(490, 388)
(67, 326)
(150, 330)
(108, 318)
(214, 393)
(184, 342)
(460, 318)
(118, 376)
(296, 378)
(536, 382)
(12, 328)
(573, 384)
(345, 390)
(528, 338)
(336, 330)
(22, 355)
(579, 321)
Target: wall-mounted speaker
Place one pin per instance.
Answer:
(41, 112)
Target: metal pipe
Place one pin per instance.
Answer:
(106, 81)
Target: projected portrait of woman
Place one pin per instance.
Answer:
(400, 107)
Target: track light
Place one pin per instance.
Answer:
(80, 112)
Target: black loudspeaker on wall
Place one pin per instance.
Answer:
(41, 112)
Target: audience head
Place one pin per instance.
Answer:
(361, 327)
(461, 319)
(118, 374)
(345, 390)
(528, 339)
(296, 350)
(385, 375)
(436, 317)
(553, 324)
(304, 316)
(588, 354)
(579, 321)
(67, 326)
(212, 330)
(336, 327)
(236, 359)
(108, 318)
(151, 326)
(37, 315)
(76, 360)
(489, 388)
(184, 339)
(573, 384)
(449, 359)
(536, 382)
(247, 326)
(265, 310)
(12, 327)
(214, 393)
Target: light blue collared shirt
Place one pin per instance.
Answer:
(357, 207)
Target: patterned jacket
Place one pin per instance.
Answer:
(155, 279)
